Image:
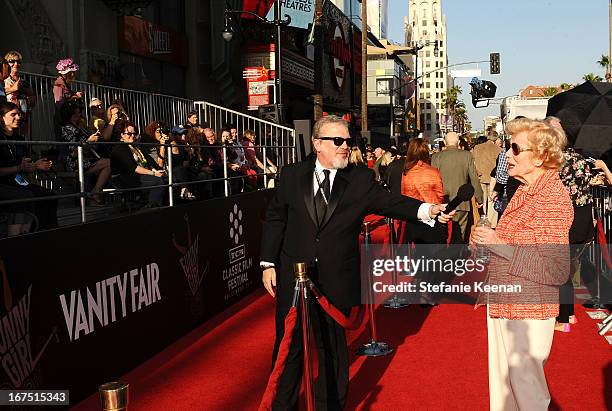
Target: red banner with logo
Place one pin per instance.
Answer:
(147, 39)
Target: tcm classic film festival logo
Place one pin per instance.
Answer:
(236, 276)
(16, 357)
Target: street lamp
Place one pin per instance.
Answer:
(278, 23)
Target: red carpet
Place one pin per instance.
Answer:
(440, 363)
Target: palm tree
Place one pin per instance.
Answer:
(461, 117)
(550, 91)
(604, 62)
(451, 102)
(592, 77)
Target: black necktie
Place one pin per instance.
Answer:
(321, 205)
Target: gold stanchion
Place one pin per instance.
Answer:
(302, 288)
(115, 396)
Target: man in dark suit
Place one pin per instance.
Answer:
(315, 217)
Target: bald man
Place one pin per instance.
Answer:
(457, 168)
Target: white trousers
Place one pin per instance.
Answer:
(518, 350)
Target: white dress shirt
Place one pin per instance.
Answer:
(422, 213)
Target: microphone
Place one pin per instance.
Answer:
(464, 193)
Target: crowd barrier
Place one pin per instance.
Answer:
(268, 133)
(142, 107)
(83, 305)
(45, 180)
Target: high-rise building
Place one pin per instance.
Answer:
(377, 17)
(426, 24)
(377, 14)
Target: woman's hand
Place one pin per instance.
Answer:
(158, 173)
(484, 235)
(600, 164)
(43, 164)
(94, 137)
(113, 119)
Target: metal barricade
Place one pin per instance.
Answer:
(271, 135)
(48, 179)
(142, 107)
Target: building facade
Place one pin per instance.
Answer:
(426, 24)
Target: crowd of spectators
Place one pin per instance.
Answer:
(197, 157)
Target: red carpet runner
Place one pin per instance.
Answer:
(440, 363)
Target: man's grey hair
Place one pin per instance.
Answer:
(316, 129)
(452, 139)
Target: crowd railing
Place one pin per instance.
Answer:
(142, 107)
(268, 133)
(41, 178)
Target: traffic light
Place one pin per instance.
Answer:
(482, 91)
(494, 63)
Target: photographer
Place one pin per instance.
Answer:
(14, 163)
(115, 117)
(92, 163)
(135, 167)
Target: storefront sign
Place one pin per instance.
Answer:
(150, 40)
(300, 11)
(257, 86)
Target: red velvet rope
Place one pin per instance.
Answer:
(281, 359)
(352, 322)
(601, 237)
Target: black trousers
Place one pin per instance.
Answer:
(330, 340)
(581, 232)
(45, 211)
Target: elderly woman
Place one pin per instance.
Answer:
(528, 250)
(19, 91)
(67, 71)
(423, 182)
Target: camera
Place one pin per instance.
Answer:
(121, 115)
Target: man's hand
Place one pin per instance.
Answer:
(269, 280)
(437, 210)
(43, 164)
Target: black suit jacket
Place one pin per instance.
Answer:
(291, 233)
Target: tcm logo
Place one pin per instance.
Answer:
(235, 232)
(235, 218)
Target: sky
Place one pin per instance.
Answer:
(541, 42)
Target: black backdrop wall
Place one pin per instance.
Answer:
(83, 305)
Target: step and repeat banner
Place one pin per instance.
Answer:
(83, 305)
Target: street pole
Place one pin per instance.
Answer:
(318, 75)
(364, 65)
(417, 104)
(278, 61)
(609, 69)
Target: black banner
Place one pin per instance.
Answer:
(83, 305)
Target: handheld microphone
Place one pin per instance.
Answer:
(464, 193)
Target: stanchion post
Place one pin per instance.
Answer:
(395, 301)
(81, 182)
(114, 396)
(374, 348)
(302, 281)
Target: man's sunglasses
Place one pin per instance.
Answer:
(11, 62)
(338, 141)
(131, 134)
(516, 149)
